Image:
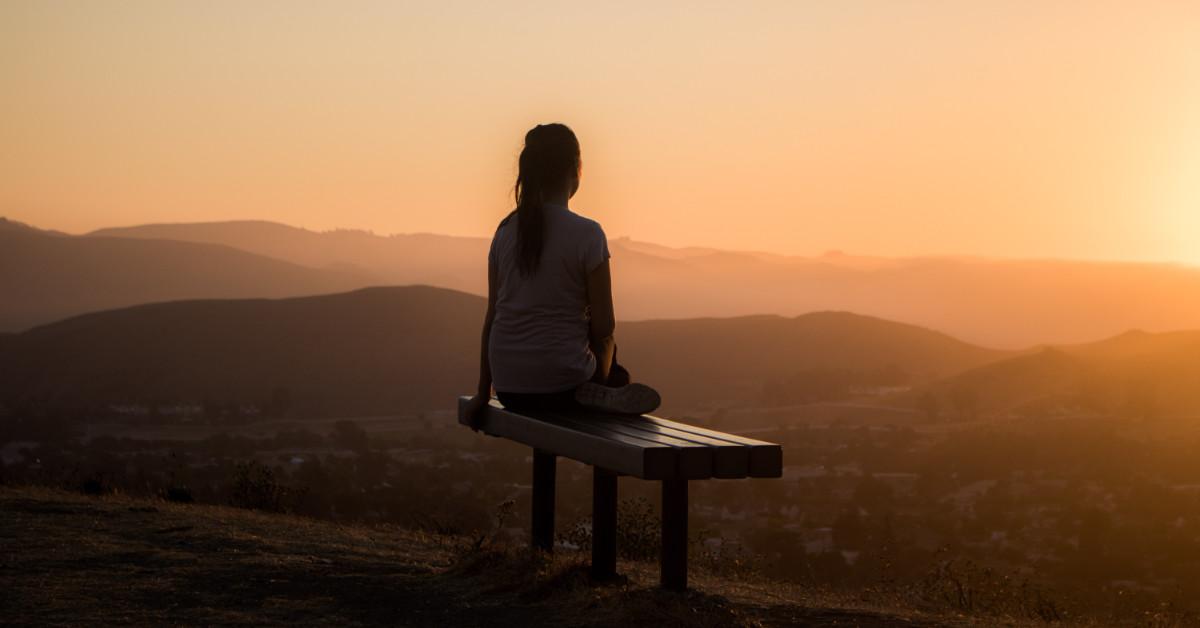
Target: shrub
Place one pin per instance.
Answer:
(179, 495)
(639, 531)
(256, 486)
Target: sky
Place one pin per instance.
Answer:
(889, 127)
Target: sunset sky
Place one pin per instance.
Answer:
(1016, 129)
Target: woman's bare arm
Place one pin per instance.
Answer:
(602, 323)
(485, 366)
(483, 393)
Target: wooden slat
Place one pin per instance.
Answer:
(766, 459)
(625, 455)
(734, 457)
(730, 460)
(695, 461)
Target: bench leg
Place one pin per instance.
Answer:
(674, 535)
(604, 524)
(542, 521)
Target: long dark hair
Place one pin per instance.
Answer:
(549, 159)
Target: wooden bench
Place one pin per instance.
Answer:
(645, 447)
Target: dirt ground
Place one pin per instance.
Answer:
(70, 559)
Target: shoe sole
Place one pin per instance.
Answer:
(628, 399)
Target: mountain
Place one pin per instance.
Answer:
(445, 261)
(46, 276)
(741, 359)
(999, 303)
(1135, 374)
(373, 350)
(409, 349)
(20, 227)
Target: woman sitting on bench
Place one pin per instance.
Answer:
(548, 333)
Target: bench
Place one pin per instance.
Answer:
(645, 447)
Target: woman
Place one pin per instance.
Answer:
(548, 333)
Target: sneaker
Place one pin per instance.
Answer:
(628, 399)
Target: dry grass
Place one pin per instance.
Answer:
(68, 559)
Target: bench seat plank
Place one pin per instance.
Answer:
(694, 462)
(628, 456)
(730, 460)
(766, 459)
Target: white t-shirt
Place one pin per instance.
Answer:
(539, 337)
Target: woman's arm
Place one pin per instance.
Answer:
(602, 321)
(483, 393)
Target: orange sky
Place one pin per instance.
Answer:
(892, 127)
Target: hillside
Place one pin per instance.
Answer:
(993, 302)
(1137, 374)
(376, 350)
(407, 349)
(733, 359)
(205, 565)
(46, 277)
(20, 227)
(444, 261)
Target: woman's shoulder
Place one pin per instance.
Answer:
(583, 223)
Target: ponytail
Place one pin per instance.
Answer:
(550, 157)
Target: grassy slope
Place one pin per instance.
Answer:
(71, 559)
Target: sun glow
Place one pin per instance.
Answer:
(1180, 207)
(1002, 129)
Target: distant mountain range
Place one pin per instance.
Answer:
(1000, 303)
(46, 276)
(399, 350)
(411, 349)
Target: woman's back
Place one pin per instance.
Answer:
(539, 336)
(547, 338)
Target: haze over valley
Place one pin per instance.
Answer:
(1004, 304)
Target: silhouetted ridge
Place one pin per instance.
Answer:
(49, 277)
(406, 349)
(1140, 375)
(997, 302)
(371, 350)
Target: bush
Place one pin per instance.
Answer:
(179, 495)
(257, 487)
(970, 588)
(639, 531)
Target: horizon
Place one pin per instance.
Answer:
(823, 254)
(1005, 131)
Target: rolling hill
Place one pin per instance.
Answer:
(1135, 374)
(45, 276)
(999, 303)
(732, 360)
(406, 349)
(373, 350)
(444, 261)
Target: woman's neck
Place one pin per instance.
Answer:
(559, 197)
